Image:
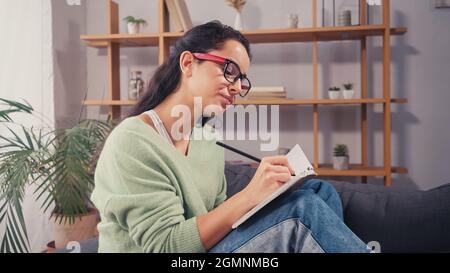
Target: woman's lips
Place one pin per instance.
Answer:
(228, 100)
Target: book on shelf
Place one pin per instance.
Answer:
(173, 14)
(267, 95)
(267, 92)
(258, 89)
(303, 171)
(179, 14)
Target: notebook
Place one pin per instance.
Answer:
(303, 170)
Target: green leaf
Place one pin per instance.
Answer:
(129, 19)
(27, 135)
(14, 238)
(13, 107)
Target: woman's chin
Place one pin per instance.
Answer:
(224, 106)
(216, 108)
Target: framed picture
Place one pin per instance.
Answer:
(340, 12)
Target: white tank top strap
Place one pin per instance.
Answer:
(159, 126)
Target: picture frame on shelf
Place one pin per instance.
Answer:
(179, 15)
(336, 13)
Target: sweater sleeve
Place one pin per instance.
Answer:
(222, 194)
(144, 201)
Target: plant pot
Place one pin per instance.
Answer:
(340, 162)
(348, 94)
(334, 95)
(133, 28)
(83, 228)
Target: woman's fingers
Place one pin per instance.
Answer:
(279, 169)
(281, 177)
(279, 160)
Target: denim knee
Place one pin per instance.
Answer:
(306, 206)
(326, 192)
(319, 186)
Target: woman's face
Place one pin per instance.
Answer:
(206, 79)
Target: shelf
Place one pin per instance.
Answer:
(287, 35)
(109, 102)
(125, 40)
(254, 36)
(264, 102)
(314, 101)
(357, 170)
(319, 34)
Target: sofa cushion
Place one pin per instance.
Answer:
(238, 176)
(401, 220)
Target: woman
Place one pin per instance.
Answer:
(159, 190)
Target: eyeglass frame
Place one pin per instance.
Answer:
(225, 62)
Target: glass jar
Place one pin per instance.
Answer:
(135, 85)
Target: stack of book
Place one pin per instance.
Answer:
(179, 15)
(269, 92)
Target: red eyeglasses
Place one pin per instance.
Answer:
(231, 71)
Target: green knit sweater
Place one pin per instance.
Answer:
(149, 194)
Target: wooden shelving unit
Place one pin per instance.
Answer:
(162, 39)
(262, 36)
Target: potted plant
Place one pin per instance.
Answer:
(333, 92)
(348, 91)
(134, 24)
(341, 158)
(70, 178)
(57, 162)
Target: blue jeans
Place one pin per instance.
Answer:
(309, 219)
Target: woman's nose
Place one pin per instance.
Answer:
(235, 87)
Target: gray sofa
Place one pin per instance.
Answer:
(400, 220)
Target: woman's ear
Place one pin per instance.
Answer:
(186, 63)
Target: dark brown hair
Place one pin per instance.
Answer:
(202, 39)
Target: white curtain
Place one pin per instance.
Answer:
(26, 72)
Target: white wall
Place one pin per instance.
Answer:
(26, 72)
(420, 65)
(44, 63)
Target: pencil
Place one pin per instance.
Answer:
(240, 152)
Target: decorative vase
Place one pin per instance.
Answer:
(238, 21)
(135, 85)
(133, 28)
(348, 94)
(293, 20)
(340, 162)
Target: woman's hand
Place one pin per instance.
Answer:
(271, 174)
